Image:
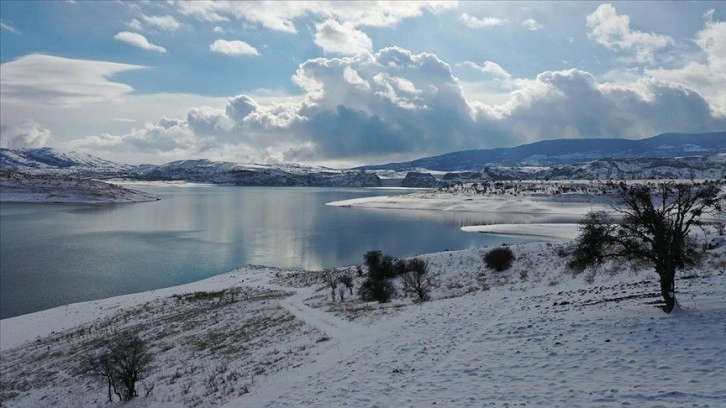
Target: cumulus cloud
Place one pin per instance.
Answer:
(396, 103)
(474, 22)
(280, 16)
(206, 120)
(233, 48)
(531, 24)
(239, 107)
(167, 135)
(337, 38)
(138, 40)
(613, 31)
(42, 80)
(26, 133)
(706, 76)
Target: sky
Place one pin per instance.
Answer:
(350, 83)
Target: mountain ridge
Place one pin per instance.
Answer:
(568, 151)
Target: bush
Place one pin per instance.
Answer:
(379, 266)
(499, 259)
(380, 290)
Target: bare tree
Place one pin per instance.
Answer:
(347, 280)
(124, 362)
(654, 229)
(417, 281)
(331, 280)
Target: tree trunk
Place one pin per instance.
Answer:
(668, 290)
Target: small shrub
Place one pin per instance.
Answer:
(499, 259)
(380, 290)
(379, 266)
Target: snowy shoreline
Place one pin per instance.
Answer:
(533, 334)
(267, 337)
(33, 188)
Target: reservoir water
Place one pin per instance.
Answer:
(55, 254)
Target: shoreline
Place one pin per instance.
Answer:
(15, 331)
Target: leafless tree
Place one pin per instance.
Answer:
(654, 228)
(417, 281)
(331, 280)
(123, 363)
(347, 280)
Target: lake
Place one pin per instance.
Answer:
(55, 254)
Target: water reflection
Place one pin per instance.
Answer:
(57, 254)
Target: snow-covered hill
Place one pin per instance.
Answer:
(683, 168)
(23, 187)
(256, 175)
(49, 161)
(46, 159)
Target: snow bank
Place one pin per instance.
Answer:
(549, 232)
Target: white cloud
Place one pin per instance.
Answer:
(168, 23)
(8, 27)
(233, 48)
(138, 40)
(352, 77)
(26, 133)
(399, 104)
(239, 107)
(42, 80)
(614, 32)
(706, 76)
(474, 22)
(280, 16)
(344, 39)
(531, 24)
(135, 25)
(491, 68)
(218, 30)
(168, 135)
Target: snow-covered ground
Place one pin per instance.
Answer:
(21, 187)
(533, 335)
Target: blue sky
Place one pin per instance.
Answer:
(348, 83)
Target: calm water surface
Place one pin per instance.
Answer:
(55, 254)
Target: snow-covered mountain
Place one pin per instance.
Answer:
(50, 161)
(256, 175)
(711, 167)
(47, 159)
(569, 151)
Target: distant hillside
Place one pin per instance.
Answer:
(569, 151)
(48, 161)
